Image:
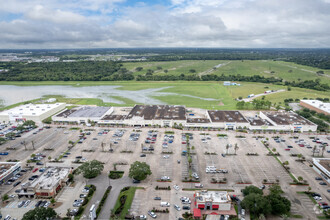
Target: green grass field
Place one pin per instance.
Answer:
(233, 67)
(207, 95)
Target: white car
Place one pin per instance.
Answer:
(142, 217)
(176, 187)
(166, 156)
(152, 214)
(27, 203)
(177, 207)
(165, 178)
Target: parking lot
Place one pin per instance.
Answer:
(126, 145)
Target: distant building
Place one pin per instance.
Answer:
(287, 121)
(230, 120)
(48, 184)
(212, 203)
(162, 115)
(35, 112)
(82, 114)
(228, 83)
(316, 105)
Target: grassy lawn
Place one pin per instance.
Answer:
(207, 95)
(173, 67)
(130, 196)
(268, 68)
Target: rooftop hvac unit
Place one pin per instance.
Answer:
(236, 113)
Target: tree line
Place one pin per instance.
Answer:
(62, 71)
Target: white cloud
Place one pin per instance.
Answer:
(193, 23)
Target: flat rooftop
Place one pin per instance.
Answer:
(164, 112)
(259, 121)
(287, 118)
(198, 120)
(84, 112)
(324, 106)
(214, 196)
(30, 109)
(325, 164)
(113, 117)
(226, 116)
(50, 177)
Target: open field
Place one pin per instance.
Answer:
(267, 68)
(207, 95)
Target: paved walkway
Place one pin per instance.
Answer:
(102, 182)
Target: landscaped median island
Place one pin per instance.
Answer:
(104, 198)
(124, 202)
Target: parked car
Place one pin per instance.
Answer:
(152, 214)
(38, 203)
(27, 203)
(185, 207)
(323, 183)
(17, 183)
(20, 204)
(177, 207)
(318, 178)
(157, 198)
(82, 195)
(136, 181)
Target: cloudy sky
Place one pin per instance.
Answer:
(164, 23)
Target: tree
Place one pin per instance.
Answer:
(227, 148)
(236, 148)
(29, 123)
(139, 170)
(138, 69)
(323, 149)
(275, 189)
(314, 149)
(49, 158)
(309, 189)
(5, 197)
(256, 204)
(90, 169)
(40, 213)
(279, 205)
(252, 189)
(300, 178)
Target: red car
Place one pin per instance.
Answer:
(183, 142)
(287, 149)
(301, 145)
(35, 170)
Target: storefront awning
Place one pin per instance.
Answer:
(201, 206)
(215, 207)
